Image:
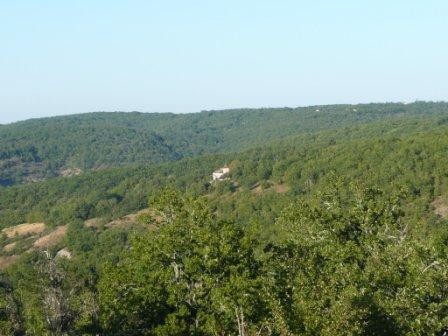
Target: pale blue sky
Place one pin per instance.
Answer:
(60, 57)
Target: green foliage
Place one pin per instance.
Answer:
(328, 229)
(344, 263)
(409, 152)
(80, 238)
(188, 276)
(349, 265)
(41, 148)
(10, 319)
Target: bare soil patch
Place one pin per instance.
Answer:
(281, 188)
(93, 222)
(64, 253)
(9, 247)
(257, 189)
(24, 229)
(5, 261)
(278, 188)
(52, 238)
(126, 220)
(440, 207)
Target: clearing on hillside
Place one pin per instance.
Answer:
(24, 229)
(440, 207)
(9, 247)
(5, 261)
(127, 220)
(278, 188)
(52, 238)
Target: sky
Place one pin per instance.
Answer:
(64, 57)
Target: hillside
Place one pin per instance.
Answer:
(36, 149)
(327, 224)
(373, 152)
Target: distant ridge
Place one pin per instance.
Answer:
(37, 149)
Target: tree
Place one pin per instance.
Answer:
(10, 319)
(191, 275)
(347, 265)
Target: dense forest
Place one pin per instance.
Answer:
(333, 220)
(36, 149)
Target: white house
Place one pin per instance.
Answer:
(220, 173)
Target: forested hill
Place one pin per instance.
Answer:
(411, 153)
(40, 148)
(333, 222)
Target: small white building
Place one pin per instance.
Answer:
(220, 173)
